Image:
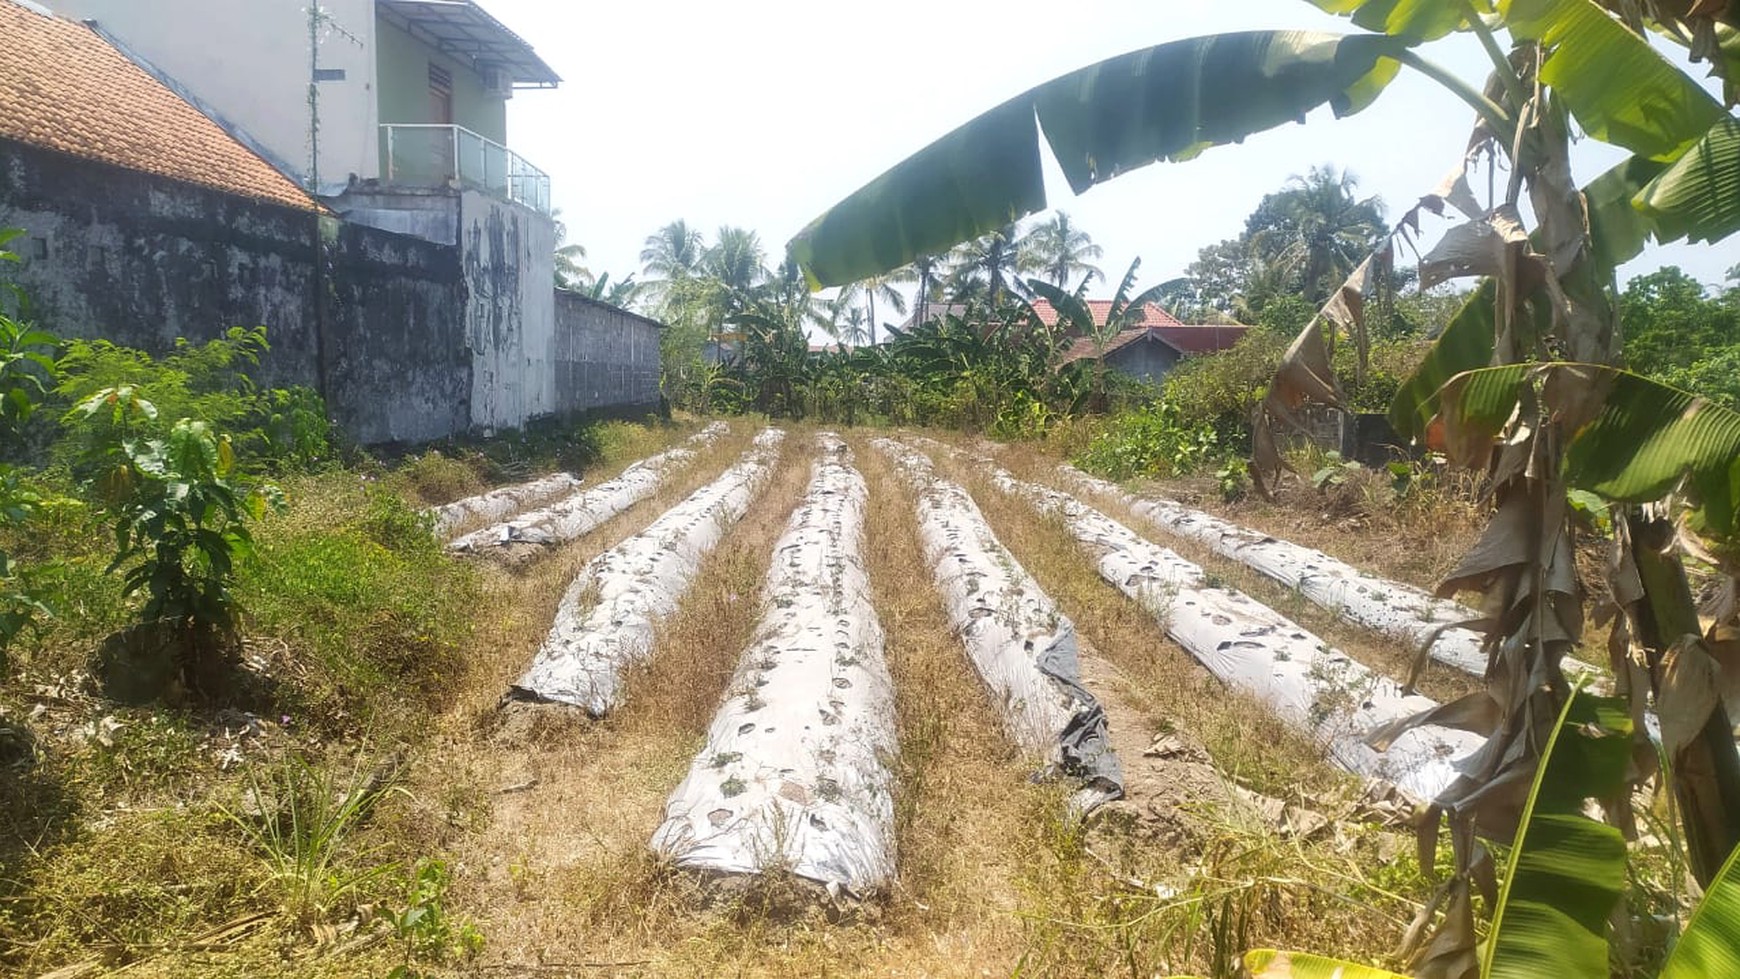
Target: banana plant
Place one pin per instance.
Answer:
(1125, 310)
(1563, 879)
(1555, 64)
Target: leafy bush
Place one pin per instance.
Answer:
(26, 366)
(179, 520)
(1156, 441)
(1220, 390)
(282, 429)
(1716, 377)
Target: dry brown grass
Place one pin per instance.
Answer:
(545, 816)
(1417, 539)
(1245, 885)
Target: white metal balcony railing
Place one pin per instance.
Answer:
(435, 155)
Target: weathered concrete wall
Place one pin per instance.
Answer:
(399, 368)
(508, 254)
(604, 357)
(139, 260)
(413, 339)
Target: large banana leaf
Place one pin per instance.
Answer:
(1620, 89)
(1646, 438)
(1710, 945)
(1268, 963)
(1168, 102)
(1698, 197)
(1423, 19)
(1567, 869)
(1650, 436)
(1465, 344)
(1618, 230)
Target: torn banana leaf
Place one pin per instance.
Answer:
(1167, 102)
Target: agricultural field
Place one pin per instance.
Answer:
(795, 702)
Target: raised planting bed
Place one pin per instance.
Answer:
(1253, 648)
(1390, 608)
(1022, 646)
(576, 515)
(608, 615)
(794, 776)
(499, 504)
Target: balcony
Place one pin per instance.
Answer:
(436, 156)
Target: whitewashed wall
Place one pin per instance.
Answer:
(248, 61)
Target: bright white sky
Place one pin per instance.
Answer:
(763, 113)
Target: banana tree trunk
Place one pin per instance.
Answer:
(1705, 767)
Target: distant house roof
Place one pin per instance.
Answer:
(1202, 339)
(1151, 314)
(466, 31)
(1186, 340)
(65, 89)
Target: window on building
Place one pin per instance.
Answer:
(440, 95)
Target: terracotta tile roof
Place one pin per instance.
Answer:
(64, 88)
(1152, 314)
(1206, 339)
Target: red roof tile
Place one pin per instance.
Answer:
(64, 88)
(1201, 339)
(1152, 314)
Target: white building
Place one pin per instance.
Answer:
(394, 114)
(408, 90)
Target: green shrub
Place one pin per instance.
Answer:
(1220, 390)
(278, 430)
(179, 518)
(1153, 442)
(27, 365)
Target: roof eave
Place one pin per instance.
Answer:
(511, 52)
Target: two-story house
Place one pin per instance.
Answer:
(392, 116)
(394, 112)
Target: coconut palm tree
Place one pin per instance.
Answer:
(1062, 250)
(883, 287)
(988, 266)
(1318, 230)
(671, 255)
(736, 259)
(924, 272)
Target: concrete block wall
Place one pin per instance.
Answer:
(604, 357)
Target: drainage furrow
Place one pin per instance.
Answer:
(1023, 647)
(794, 775)
(608, 615)
(1390, 608)
(574, 516)
(501, 503)
(1253, 648)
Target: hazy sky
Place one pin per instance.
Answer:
(763, 113)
